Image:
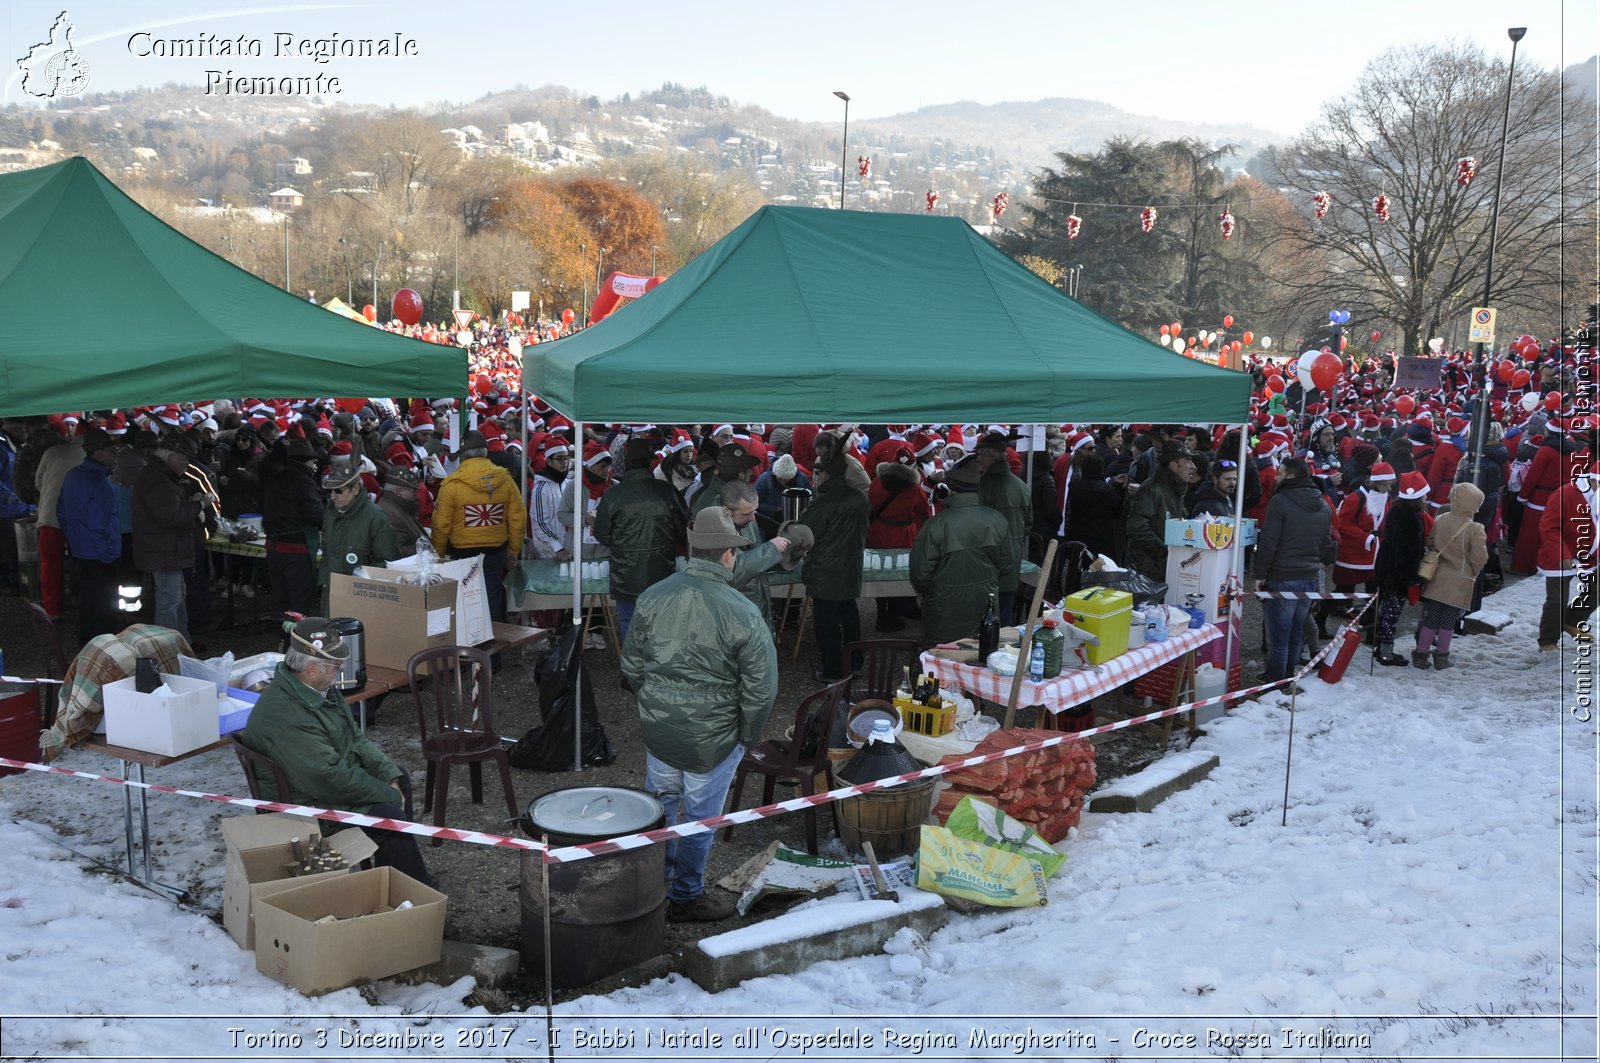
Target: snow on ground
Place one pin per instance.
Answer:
(1432, 894)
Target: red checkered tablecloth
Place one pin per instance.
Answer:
(1074, 686)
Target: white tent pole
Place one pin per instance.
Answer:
(577, 592)
(1236, 565)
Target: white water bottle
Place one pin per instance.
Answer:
(1036, 661)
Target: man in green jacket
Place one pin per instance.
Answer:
(750, 568)
(735, 464)
(354, 530)
(700, 660)
(1001, 491)
(1158, 498)
(304, 725)
(958, 557)
(642, 521)
(838, 517)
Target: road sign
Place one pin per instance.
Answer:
(463, 317)
(1482, 328)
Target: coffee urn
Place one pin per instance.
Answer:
(353, 672)
(795, 501)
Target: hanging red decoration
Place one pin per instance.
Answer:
(1225, 222)
(1466, 170)
(999, 205)
(1147, 219)
(864, 165)
(933, 200)
(1074, 223)
(1322, 201)
(1380, 207)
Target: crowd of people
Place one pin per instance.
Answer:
(1363, 488)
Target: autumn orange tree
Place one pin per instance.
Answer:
(561, 243)
(621, 220)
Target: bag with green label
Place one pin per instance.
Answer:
(979, 821)
(950, 865)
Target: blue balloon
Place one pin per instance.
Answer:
(1333, 317)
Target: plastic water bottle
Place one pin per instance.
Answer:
(1036, 661)
(881, 732)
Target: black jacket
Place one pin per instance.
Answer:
(1208, 500)
(293, 504)
(1297, 535)
(1095, 511)
(1400, 552)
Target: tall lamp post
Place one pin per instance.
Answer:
(1480, 413)
(844, 149)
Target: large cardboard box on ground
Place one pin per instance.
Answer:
(473, 625)
(398, 619)
(169, 723)
(369, 937)
(256, 848)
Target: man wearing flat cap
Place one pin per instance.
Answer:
(700, 660)
(1001, 490)
(1159, 498)
(302, 722)
(355, 531)
(734, 463)
(958, 558)
(166, 514)
(479, 514)
(291, 517)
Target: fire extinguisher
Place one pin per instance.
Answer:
(1332, 670)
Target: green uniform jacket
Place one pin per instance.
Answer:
(700, 660)
(710, 494)
(1002, 492)
(956, 564)
(838, 516)
(642, 520)
(362, 532)
(1157, 499)
(314, 740)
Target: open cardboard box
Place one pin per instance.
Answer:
(398, 619)
(183, 718)
(257, 850)
(369, 937)
(472, 622)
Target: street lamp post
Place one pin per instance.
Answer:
(844, 149)
(652, 260)
(1480, 413)
(286, 252)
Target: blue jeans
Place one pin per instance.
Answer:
(624, 617)
(689, 796)
(1284, 619)
(171, 608)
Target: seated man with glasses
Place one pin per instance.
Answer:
(1215, 496)
(354, 530)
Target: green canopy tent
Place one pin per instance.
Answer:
(105, 305)
(803, 314)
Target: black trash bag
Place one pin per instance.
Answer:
(549, 746)
(1142, 587)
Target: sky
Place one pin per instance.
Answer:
(1233, 60)
(1431, 895)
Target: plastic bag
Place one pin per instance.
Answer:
(979, 821)
(236, 531)
(421, 569)
(550, 745)
(215, 671)
(951, 865)
(1142, 587)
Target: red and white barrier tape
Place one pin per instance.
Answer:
(30, 679)
(569, 854)
(1313, 596)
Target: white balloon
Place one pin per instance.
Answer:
(1436, 344)
(1166, 340)
(1177, 344)
(1203, 336)
(1529, 402)
(1302, 369)
(1266, 343)
(514, 345)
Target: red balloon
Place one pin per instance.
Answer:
(1505, 371)
(1177, 327)
(1520, 378)
(1344, 341)
(1529, 349)
(1249, 337)
(567, 315)
(483, 384)
(1405, 405)
(1227, 321)
(1236, 346)
(1275, 384)
(351, 405)
(1376, 336)
(1552, 400)
(1166, 330)
(369, 312)
(407, 306)
(1325, 371)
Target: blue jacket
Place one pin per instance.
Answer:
(88, 513)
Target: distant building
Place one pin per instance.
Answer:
(285, 199)
(296, 169)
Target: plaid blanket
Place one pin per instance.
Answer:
(105, 659)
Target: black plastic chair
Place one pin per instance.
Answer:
(882, 664)
(460, 686)
(788, 759)
(249, 759)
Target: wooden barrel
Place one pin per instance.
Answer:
(890, 819)
(20, 721)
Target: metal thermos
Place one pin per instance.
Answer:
(795, 501)
(353, 672)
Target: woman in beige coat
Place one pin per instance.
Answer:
(1446, 597)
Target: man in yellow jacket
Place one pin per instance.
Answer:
(479, 513)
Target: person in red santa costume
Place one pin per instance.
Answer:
(1360, 530)
(1567, 560)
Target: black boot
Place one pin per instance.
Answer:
(1387, 656)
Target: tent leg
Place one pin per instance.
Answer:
(577, 597)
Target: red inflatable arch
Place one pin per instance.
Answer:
(617, 289)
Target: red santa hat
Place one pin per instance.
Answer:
(1381, 471)
(399, 454)
(422, 421)
(1078, 439)
(1556, 425)
(594, 454)
(1455, 426)
(344, 446)
(1413, 485)
(170, 415)
(956, 437)
(555, 446)
(559, 423)
(1339, 422)
(924, 444)
(1280, 421)
(117, 424)
(324, 428)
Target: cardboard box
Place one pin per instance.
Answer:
(185, 718)
(1208, 534)
(369, 937)
(399, 619)
(473, 625)
(256, 846)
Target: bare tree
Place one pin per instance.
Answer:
(1400, 133)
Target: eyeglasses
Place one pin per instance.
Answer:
(1227, 465)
